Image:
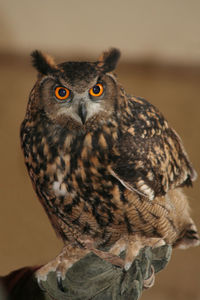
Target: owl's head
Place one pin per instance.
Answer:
(76, 91)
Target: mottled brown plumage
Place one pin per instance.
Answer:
(106, 166)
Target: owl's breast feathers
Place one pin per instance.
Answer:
(69, 173)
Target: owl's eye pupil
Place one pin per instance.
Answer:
(62, 92)
(96, 89)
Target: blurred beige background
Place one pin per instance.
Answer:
(160, 45)
(159, 29)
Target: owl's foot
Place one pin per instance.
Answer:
(61, 264)
(189, 237)
(68, 257)
(132, 245)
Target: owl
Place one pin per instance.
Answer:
(106, 166)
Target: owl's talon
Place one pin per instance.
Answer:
(149, 282)
(60, 282)
(39, 282)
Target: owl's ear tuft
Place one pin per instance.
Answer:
(108, 60)
(44, 63)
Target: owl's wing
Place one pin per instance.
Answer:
(150, 158)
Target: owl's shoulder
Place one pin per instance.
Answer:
(142, 119)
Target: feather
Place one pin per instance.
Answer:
(44, 63)
(108, 60)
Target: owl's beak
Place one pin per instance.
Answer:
(82, 111)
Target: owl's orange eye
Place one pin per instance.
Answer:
(96, 90)
(62, 93)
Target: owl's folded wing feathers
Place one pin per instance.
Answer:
(151, 160)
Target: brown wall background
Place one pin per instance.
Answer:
(160, 44)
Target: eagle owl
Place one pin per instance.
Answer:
(105, 165)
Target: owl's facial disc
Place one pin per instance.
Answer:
(64, 102)
(80, 105)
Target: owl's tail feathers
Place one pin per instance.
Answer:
(188, 238)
